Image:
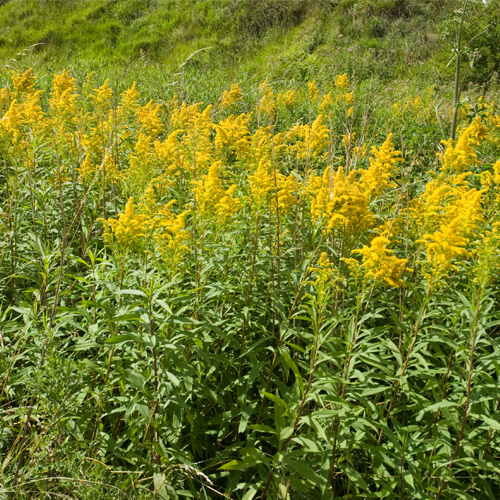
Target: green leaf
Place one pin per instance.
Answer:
(356, 477)
(120, 339)
(250, 493)
(408, 478)
(233, 465)
(286, 432)
(292, 365)
(494, 425)
(275, 399)
(305, 471)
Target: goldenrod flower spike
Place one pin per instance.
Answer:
(375, 179)
(64, 94)
(150, 120)
(342, 81)
(23, 82)
(233, 136)
(130, 98)
(103, 95)
(381, 264)
(233, 96)
(212, 200)
(128, 231)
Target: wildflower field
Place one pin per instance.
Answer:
(281, 294)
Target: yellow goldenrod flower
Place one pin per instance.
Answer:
(496, 170)
(312, 91)
(233, 96)
(443, 247)
(288, 192)
(287, 99)
(149, 118)
(211, 198)
(128, 231)
(311, 141)
(63, 96)
(267, 106)
(381, 264)
(340, 201)
(342, 81)
(130, 98)
(487, 256)
(233, 136)
(376, 178)
(261, 184)
(103, 96)
(23, 82)
(326, 102)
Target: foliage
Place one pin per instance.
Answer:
(268, 295)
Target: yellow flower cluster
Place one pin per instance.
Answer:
(233, 96)
(267, 104)
(375, 179)
(233, 136)
(223, 165)
(381, 264)
(447, 214)
(211, 198)
(340, 201)
(128, 231)
(311, 141)
(460, 156)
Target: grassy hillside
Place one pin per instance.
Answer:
(295, 39)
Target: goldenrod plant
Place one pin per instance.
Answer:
(284, 293)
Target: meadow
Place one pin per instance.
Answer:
(223, 288)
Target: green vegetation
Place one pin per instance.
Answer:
(294, 40)
(286, 287)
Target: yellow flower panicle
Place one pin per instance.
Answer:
(142, 164)
(233, 96)
(487, 256)
(460, 156)
(327, 279)
(172, 237)
(311, 141)
(233, 136)
(170, 154)
(340, 201)
(267, 104)
(103, 96)
(212, 200)
(443, 247)
(63, 96)
(376, 178)
(289, 190)
(380, 263)
(287, 99)
(342, 81)
(496, 170)
(194, 130)
(150, 120)
(130, 98)
(266, 145)
(312, 91)
(24, 83)
(261, 184)
(168, 229)
(128, 231)
(448, 214)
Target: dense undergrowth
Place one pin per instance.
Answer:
(276, 295)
